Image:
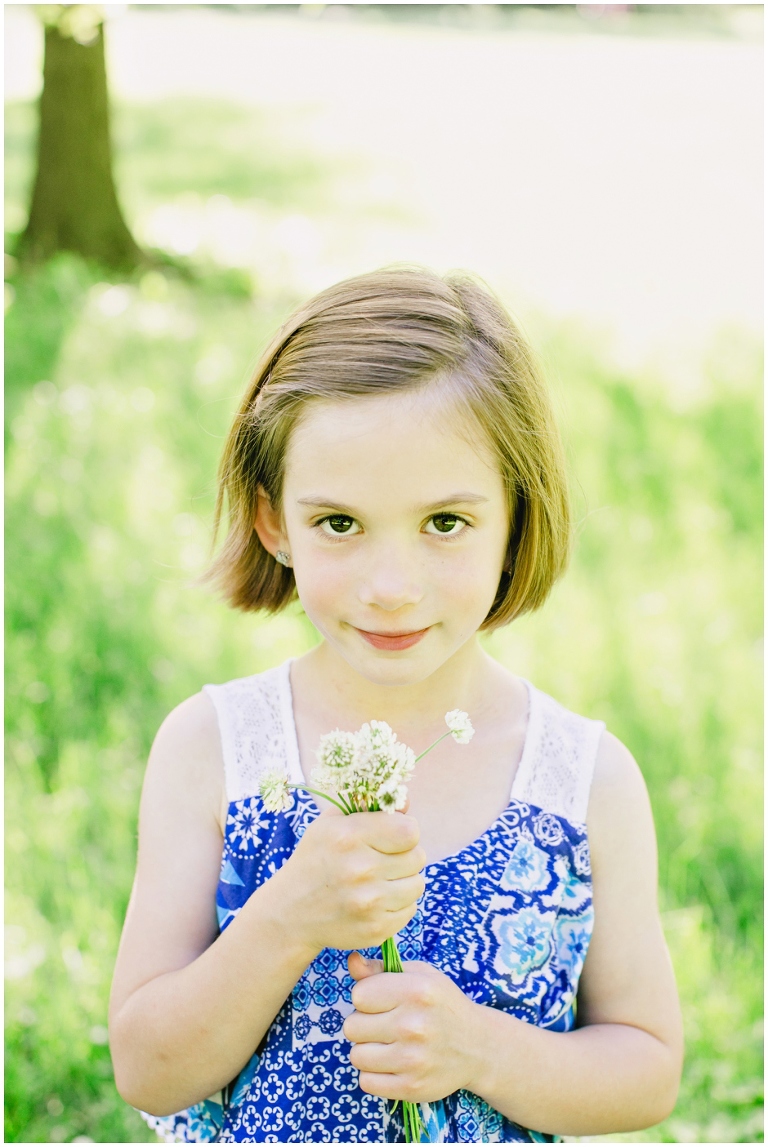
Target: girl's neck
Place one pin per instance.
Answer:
(336, 695)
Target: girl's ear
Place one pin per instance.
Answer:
(268, 524)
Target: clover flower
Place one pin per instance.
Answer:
(367, 769)
(335, 761)
(273, 789)
(460, 726)
(385, 765)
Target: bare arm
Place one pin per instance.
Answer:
(418, 1037)
(189, 1007)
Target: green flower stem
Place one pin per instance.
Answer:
(391, 956)
(431, 747)
(412, 1121)
(344, 808)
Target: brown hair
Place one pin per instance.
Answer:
(397, 329)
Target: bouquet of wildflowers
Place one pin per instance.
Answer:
(366, 771)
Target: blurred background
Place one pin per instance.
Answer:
(190, 174)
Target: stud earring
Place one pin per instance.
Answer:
(282, 557)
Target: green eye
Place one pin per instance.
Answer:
(446, 524)
(337, 524)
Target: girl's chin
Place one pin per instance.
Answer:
(405, 667)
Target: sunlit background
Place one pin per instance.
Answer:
(601, 168)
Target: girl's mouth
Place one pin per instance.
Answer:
(393, 640)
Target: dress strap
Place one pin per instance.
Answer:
(256, 726)
(555, 770)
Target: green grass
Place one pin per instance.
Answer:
(119, 397)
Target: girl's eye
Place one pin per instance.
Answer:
(446, 524)
(336, 524)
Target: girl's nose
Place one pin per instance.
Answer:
(390, 584)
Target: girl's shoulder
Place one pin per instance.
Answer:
(185, 767)
(618, 787)
(188, 739)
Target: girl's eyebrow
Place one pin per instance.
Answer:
(464, 498)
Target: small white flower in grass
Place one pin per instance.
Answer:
(460, 726)
(273, 788)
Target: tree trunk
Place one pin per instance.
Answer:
(74, 203)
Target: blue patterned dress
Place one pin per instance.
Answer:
(508, 919)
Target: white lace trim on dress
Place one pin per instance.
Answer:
(555, 771)
(258, 732)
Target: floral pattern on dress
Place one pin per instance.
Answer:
(508, 919)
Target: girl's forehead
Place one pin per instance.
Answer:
(392, 437)
(383, 417)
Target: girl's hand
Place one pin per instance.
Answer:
(354, 880)
(412, 1031)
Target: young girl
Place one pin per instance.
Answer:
(395, 464)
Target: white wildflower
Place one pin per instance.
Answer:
(336, 750)
(335, 761)
(274, 791)
(366, 769)
(392, 796)
(460, 726)
(384, 765)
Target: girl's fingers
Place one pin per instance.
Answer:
(401, 894)
(377, 1057)
(398, 865)
(377, 1001)
(374, 1027)
(389, 833)
(388, 1086)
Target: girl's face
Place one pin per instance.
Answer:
(397, 526)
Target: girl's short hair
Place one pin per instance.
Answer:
(396, 330)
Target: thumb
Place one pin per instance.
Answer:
(360, 967)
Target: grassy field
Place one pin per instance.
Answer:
(119, 395)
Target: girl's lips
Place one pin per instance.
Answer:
(394, 640)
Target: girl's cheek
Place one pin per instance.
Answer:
(469, 576)
(321, 583)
